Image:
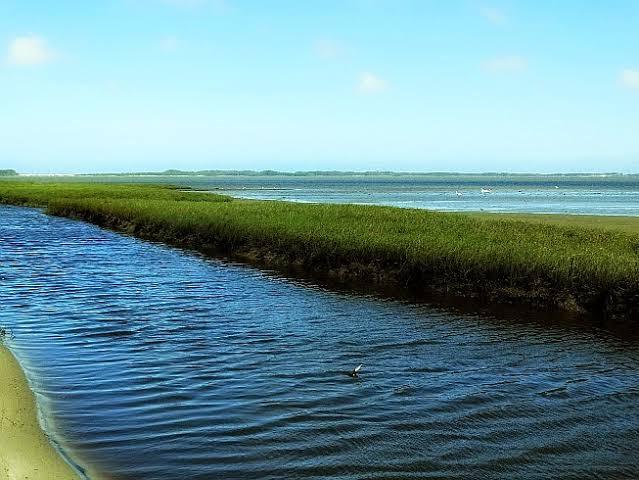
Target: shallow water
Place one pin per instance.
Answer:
(585, 197)
(153, 363)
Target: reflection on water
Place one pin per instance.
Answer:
(158, 364)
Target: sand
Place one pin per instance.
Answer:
(25, 451)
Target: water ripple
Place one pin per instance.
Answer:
(153, 363)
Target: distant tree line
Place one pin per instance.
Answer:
(8, 173)
(315, 173)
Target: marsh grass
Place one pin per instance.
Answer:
(40, 194)
(569, 265)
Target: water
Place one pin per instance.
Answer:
(153, 363)
(592, 196)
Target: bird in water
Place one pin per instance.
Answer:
(355, 371)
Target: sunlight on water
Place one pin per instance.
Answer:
(160, 364)
(450, 194)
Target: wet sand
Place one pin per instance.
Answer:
(25, 451)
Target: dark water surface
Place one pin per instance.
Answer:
(152, 363)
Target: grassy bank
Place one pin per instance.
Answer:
(570, 264)
(614, 223)
(25, 451)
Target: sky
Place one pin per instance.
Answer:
(403, 85)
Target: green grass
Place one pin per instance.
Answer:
(31, 193)
(618, 223)
(577, 262)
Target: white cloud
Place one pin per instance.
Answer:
(328, 49)
(494, 16)
(30, 50)
(630, 78)
(371, 83)
(506, 64)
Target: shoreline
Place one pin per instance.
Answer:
(567, 264)
(536, 290)
(25, 450)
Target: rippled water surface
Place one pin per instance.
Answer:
(591, 196)
(152, 363)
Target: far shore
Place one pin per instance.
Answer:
(25, 451)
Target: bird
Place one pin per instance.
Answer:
(355, 371)
(458, 193)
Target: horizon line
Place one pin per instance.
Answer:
(268, 172)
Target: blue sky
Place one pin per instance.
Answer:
(121, 85)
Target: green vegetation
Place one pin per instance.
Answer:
(8, 173)
(41, 194)
(619, 223)
(563, 263)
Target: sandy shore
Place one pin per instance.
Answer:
(25, 451)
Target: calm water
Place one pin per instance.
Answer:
(588, 196)
(152, 363)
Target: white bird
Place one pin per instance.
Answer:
(486, 190)
(355, 371)
(458, 193)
